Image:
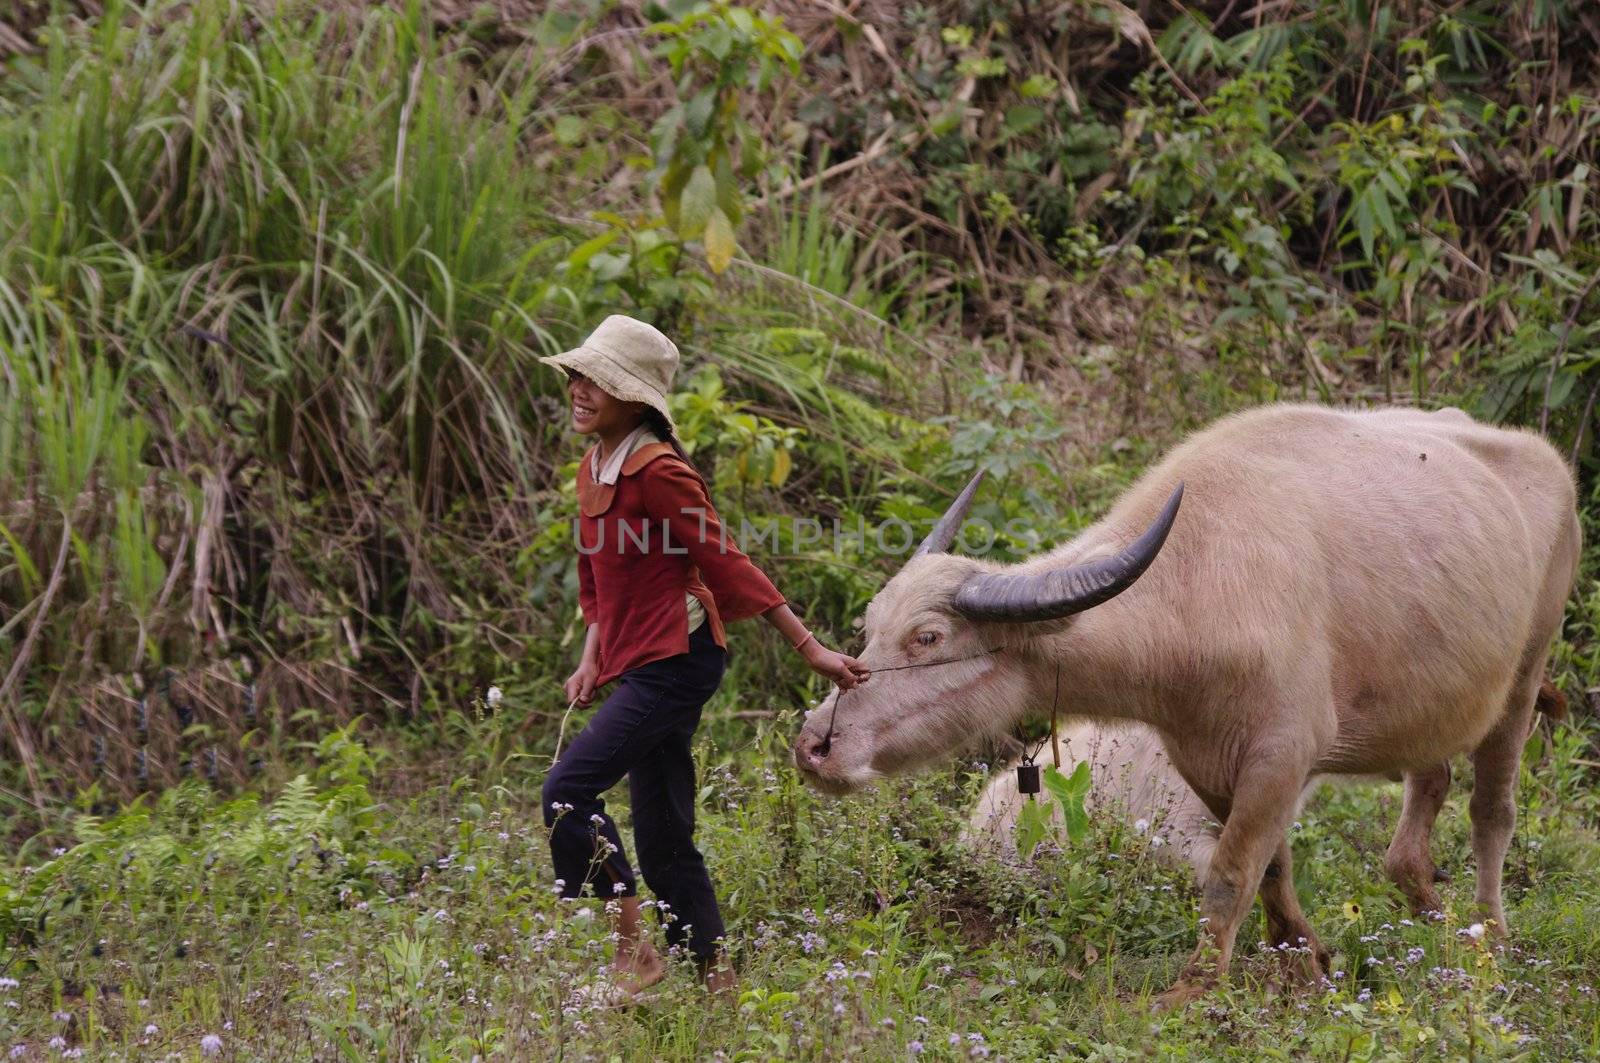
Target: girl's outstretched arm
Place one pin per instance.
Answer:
(839, 667)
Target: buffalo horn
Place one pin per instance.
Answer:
(1064, 591)
(944, 532)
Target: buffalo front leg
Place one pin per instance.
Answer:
(1409, 862)
(1258, 817)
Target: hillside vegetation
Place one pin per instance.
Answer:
(284, 490)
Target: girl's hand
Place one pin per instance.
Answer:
(839, 667)
(580, 684)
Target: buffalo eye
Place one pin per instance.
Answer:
(927, 638)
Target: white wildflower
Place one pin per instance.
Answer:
(1475, 931)
(493, 696)
(1141, 825)
(211, 1044)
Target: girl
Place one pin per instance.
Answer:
(657, 580)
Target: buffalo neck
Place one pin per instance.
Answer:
(1109, 670)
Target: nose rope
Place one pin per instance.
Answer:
(834, 714)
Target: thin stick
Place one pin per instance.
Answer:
(25, 652)
(1583, 422)
(562, 733)
(24, 611)
(11, 713)
(874, 151)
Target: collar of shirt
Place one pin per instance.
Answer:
(613, 467)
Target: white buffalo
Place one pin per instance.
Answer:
(1131, 776)
(1366, 593)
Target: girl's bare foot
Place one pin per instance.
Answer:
(639, 967)
(719, 977)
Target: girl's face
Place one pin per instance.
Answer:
(595, 410)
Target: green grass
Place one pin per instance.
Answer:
(332, 919)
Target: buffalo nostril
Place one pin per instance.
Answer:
(813, 750)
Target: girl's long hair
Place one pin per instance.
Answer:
(658, 424)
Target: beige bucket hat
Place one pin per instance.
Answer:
(628, 359)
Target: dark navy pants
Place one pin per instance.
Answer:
(641, 730)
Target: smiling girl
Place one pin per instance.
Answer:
(658, 578)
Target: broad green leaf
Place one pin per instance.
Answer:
(1392, 184)
(698, 201)
(947, 120)
(728, 197)
(664, 133)
(751, 155)
(1037, 87)
(1069, 793)
(672, 183)
(697, 113)
(1079, 781)
(1077, 822)
(1561, 389)
(589, 248)
(1023, 117)
(608, 267)
(1365, 225)
(1030, 830)
(719, 241)
(719, 42)
(1380, 207)
(1064, 787)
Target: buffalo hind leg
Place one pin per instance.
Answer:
(1494, 806)
(1288, 931)
(1254, 831)
(1408, 862)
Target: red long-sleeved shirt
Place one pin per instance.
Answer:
(646, 541)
